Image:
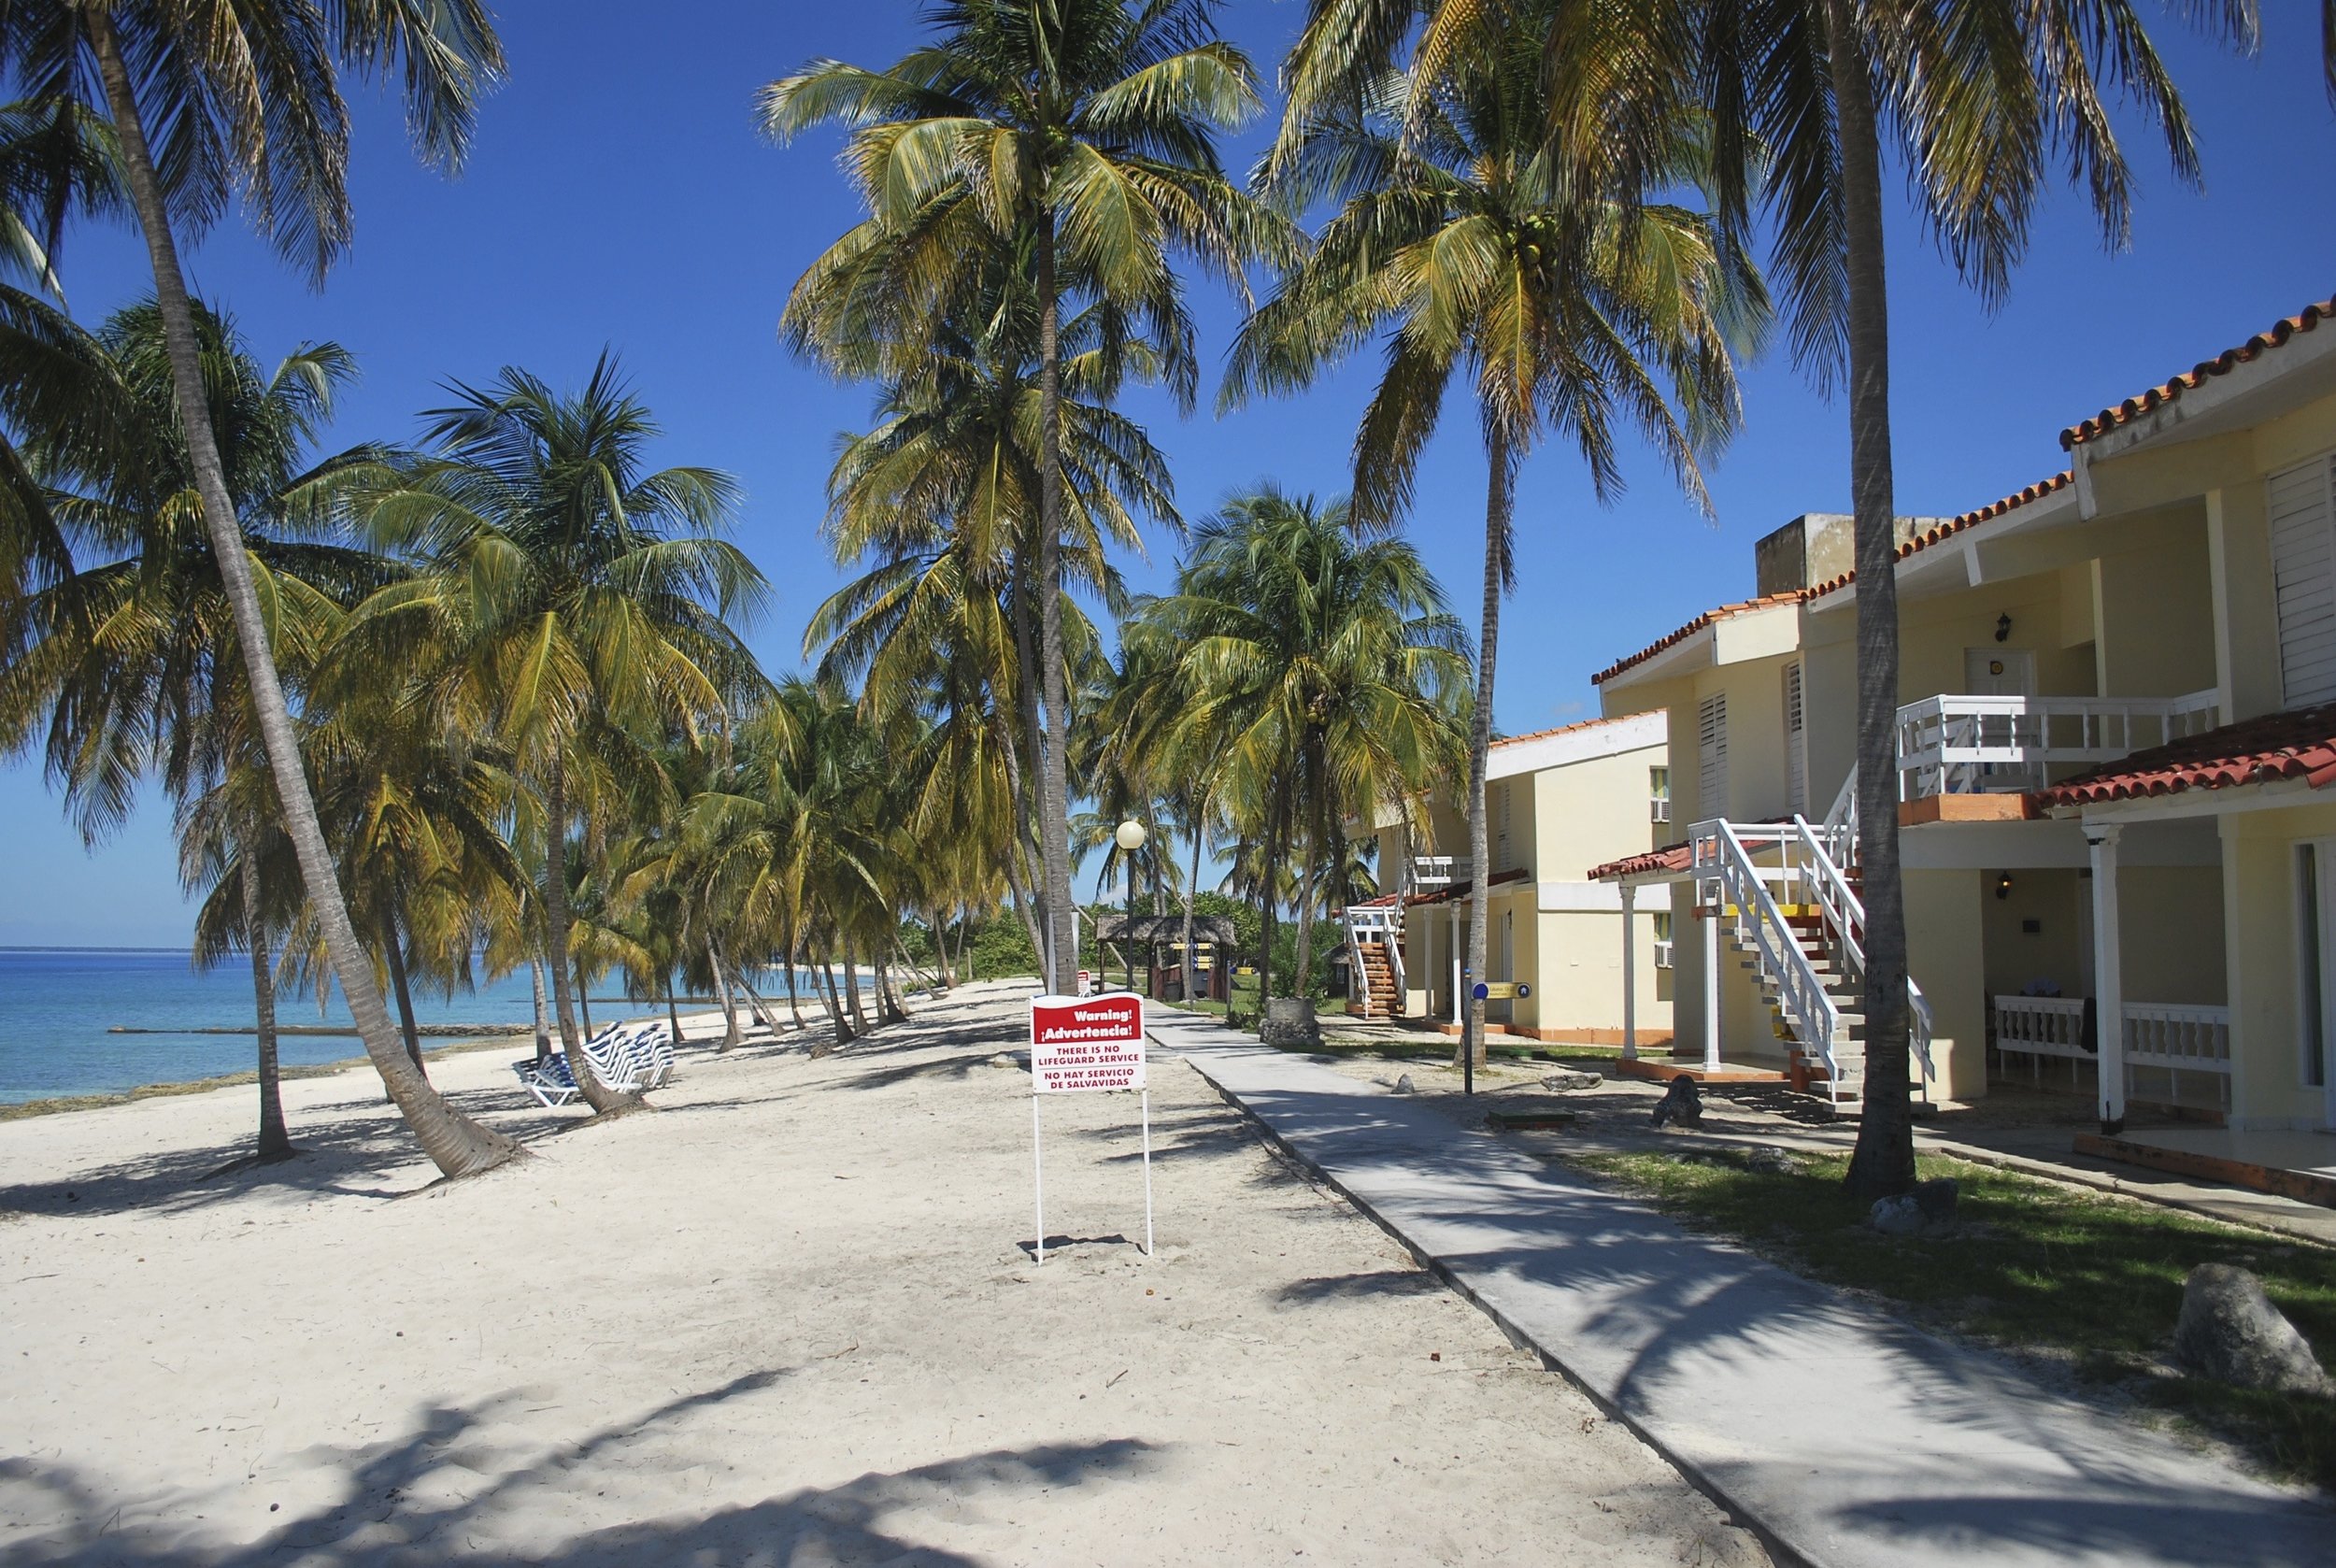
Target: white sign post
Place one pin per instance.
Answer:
(1079, 1044)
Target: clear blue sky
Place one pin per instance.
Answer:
(619, 195)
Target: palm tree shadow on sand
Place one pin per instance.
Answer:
(379, 1521)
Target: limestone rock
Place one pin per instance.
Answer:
(1928, 1210)
(1566, 1079)
(1771, 1161)
(2230, 1331)
(1403, 1085)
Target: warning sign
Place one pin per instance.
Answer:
(1079, 1042)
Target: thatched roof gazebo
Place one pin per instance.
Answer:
(1159, 935)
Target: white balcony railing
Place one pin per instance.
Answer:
(1969, 745)
(2160, 1036)
(1438, 870)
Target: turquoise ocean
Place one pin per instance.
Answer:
(57, 1004)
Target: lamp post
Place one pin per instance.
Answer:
(1129, 837)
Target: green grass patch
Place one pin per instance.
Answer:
(2035, 1265)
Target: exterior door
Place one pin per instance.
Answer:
(2315, 970)
(2001, 672)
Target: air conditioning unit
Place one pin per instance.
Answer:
(1659, 811)
(1662, 955)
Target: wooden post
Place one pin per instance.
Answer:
(2108, 978)
(1630, 976)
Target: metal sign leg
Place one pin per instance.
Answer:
(1038, 1180)
(1147, 1173)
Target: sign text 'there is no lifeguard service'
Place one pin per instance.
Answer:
(1086, 1042)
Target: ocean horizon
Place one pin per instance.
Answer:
(59, 1005)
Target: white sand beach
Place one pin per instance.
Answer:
(789, 1319)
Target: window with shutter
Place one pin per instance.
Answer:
(1796, 743)
(1711, 752)
(2303, 563)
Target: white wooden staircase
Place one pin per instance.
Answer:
(1785, 898)
(1374, 953)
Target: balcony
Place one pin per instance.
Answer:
(2162, 1040)
(1429, 872)
(1972, 744)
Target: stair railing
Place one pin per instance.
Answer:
(1386, 924)
(1723, 860)
(1843, 914)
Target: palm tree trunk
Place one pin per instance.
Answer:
(456, 1145)
(732, 1036)
(1023, 854)
(941, 952)
(794, 1003)
(1883, 1162)
(1308, 869)
(1191, 968)
(402, 987)
(754, 1001)
(834, 998)
(603, 1099)
(1054, 810)
(1499, 505)
(543, 1026)
(584, 997)
(1274, 849)
(673, 1008)
(275, 1140)
(851, 988)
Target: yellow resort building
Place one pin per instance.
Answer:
(2116, 724)
(1557, 802)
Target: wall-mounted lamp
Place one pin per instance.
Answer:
(2003, 627)
(2003, 885)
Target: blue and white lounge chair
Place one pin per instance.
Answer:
(549, 1080)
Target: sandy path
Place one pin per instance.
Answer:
(786, 1321)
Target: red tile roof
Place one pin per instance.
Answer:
(1955, 525)
(2221, 365)
(2296, 744)
(1672, 858)
(1709, 618)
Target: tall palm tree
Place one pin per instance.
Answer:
(215, 105)
(570, 602)
(128, 667)
(1319, 665)
(943, 496)
(1978, 99)
(1075, 139)
(1463, 238)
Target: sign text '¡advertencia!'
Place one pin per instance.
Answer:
(1085, 1045)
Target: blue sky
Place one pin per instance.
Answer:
(619, 195)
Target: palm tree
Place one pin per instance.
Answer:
(129, 666)
(569, 604)
(943, 495)
(1072, 140)
(1465, 239)
(246, 101)
(1320, 666)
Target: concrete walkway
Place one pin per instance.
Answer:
(1845, 1437)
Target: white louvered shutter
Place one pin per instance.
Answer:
(1711, 753)
(1796, 743)
(2303, 563)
